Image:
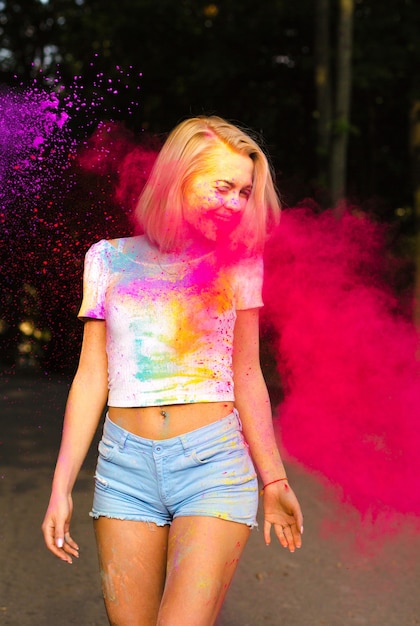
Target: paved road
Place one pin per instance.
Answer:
(328, 582)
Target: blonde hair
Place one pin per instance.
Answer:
(185, 153)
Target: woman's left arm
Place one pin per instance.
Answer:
(281, 508)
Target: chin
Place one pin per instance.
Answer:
(217, 231)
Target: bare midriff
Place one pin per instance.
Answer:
(164, 422)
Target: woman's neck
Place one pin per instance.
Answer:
(190, 249)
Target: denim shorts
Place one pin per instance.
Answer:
(205, 472)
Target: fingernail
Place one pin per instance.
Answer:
(301, 530)
(59, 542)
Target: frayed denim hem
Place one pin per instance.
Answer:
(251, 525)
(128, 518)
(132, 518)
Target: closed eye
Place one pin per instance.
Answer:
(226, 186)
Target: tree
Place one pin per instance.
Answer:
(415, 160)
(333, 114)
(323, 87)
(341, 116)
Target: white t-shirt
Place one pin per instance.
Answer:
(169, 326)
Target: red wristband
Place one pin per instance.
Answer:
(273, 481)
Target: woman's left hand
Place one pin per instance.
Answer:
(282, 510)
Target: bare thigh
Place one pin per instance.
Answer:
(132, 559)
(203, 553)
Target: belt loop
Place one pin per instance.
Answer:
(123, 439)
(238, 419)
(184, 441)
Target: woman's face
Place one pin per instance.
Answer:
(215, 198)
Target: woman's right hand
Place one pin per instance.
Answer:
(56, 528)
(85, 404)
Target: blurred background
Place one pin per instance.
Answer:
(331, 88)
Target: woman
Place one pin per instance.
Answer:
(171, 346)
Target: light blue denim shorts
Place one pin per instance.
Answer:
(205, 472)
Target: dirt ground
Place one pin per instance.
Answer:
(325, 583)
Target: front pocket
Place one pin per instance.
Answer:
(219, 451)
(101, 483)
(106, 448)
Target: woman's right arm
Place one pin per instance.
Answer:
(85, 404)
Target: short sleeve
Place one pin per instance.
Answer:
(248, 282)
(95, 281)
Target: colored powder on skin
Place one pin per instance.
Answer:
(346, 355)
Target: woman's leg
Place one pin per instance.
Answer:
(132, 559)
(203, 553)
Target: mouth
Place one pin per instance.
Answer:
(225, 217)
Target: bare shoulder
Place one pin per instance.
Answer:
(135, 246)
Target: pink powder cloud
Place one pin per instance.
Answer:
(347, 357)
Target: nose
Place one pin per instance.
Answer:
(233, 202)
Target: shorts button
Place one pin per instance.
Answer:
(158, 449)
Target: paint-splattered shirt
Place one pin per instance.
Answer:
(169, 326)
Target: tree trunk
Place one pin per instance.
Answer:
(415, 168)
(323, 87)
(341, 124)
